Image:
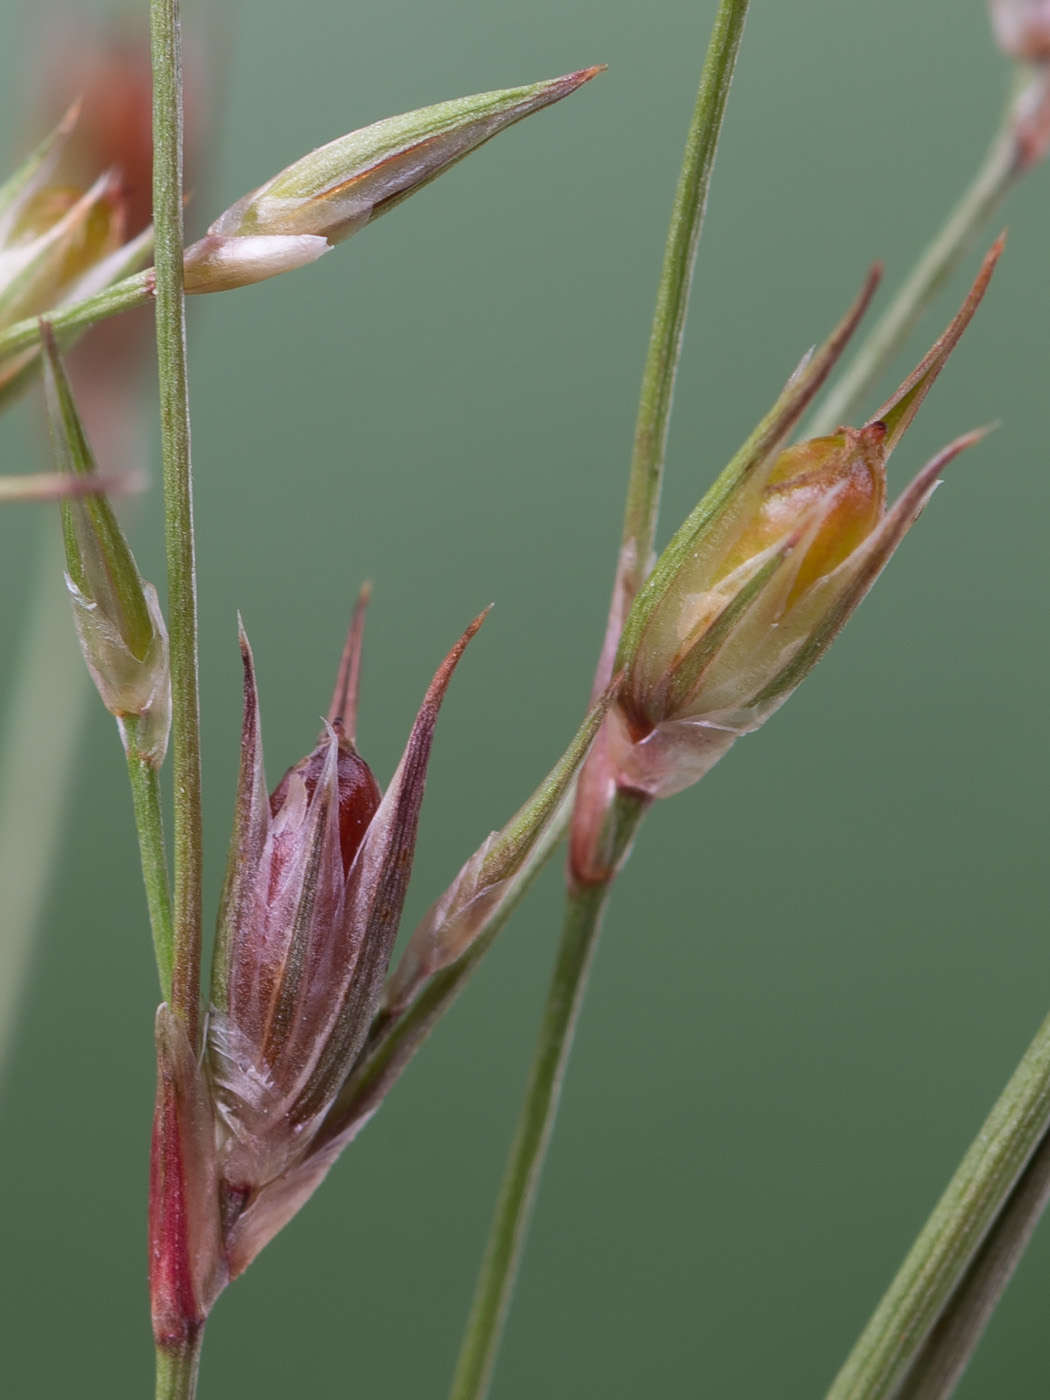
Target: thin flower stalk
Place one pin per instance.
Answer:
(672, 303)
(148, 811)
(506, 1241)
(507, 1232)
(1008, 159)
(69, 321)
(177, 1345)
(166, 53)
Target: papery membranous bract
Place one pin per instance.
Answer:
(314, 889)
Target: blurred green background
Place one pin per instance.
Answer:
(823, 962)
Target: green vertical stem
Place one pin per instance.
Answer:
(536, 1120)
(39, 744)
(518, 1190)
(165, 31)
(587, 902)
(946, 1352)
(961, 1220)
(149, 822)
(177, 1369)
(672, 298)
(999, 170)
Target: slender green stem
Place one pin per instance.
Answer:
(517, 1195)
(672, 298)
(39, 744)
(946, 1352)
(177, 1369)
(938, 1260)
(149, 822)
(65, 321)
(993, 181)
(586, 902)
(165, 30)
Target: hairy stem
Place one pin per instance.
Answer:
(961, 1220)
(149, 822)
(992, 182)
(165, 31)
(510, 1220)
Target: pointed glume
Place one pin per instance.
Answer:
(343, 709)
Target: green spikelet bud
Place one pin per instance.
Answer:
(329, 194)
(760, 580)
(117, 615)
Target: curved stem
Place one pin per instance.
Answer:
(993, 181)
(961, 1220)
(510, 1220)
(65, 321)
(177, 1368)
(165, 31)
(149, 822)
